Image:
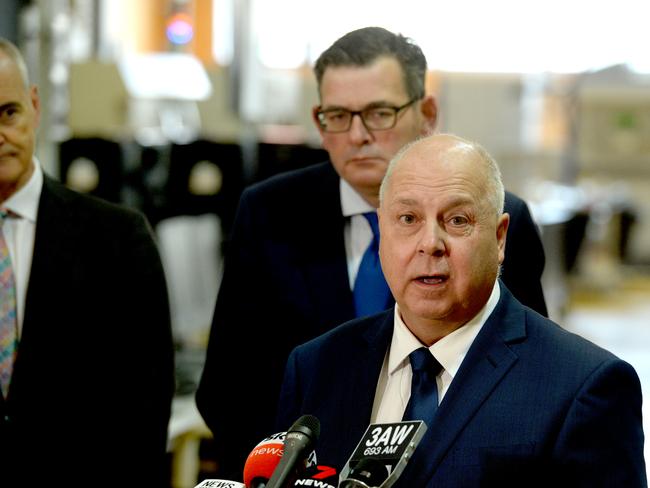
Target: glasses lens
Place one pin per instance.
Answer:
(335, 120)
(379, 118)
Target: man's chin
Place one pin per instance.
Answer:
(370, 163)
(12, 173)
(366, 174)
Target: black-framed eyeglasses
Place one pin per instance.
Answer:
(373, 117)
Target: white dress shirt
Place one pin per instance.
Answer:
(357, 232)
(394, 385)
(19, 231)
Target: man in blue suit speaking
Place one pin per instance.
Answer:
(517, 400)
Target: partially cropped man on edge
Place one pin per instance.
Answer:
(86, 354)
(509, 397)
(303, 253)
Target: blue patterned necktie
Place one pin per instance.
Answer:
(371, 293)
(423, 402)
(8, 323)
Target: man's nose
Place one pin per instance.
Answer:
(432, 241)
(359, 133)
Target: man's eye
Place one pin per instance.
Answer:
(8, 113)
(458, 220)
(334, 116)
(379, 113)
(407, 219)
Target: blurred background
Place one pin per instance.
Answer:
(174, 106)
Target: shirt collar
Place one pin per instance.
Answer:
(351, 202)
(450, 350)
(24, 202)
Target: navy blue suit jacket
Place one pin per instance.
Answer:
(531, 405)
(285, 282)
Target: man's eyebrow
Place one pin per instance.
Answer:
(459, 201)
(376, 104)
(324, 108)
(9, 105)
(409, 202)
(452, 203)
(380, 104)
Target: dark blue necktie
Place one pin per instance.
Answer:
(424, 391)
(371, 293)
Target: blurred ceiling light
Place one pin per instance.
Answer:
(180, 29)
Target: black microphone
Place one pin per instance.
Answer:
(387, 446)
(299, 441)
(264, 459)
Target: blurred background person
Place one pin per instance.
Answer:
(87, 356)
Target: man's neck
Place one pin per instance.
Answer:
(370, 195)
(353, 201)
(372, 199)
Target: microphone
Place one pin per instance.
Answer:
(318, 477)
(388, 446)
(219, 484)
(265, 457)
(263, 460)
(300, 439)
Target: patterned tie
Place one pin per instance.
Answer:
(8, 324)
(424, 391)
(371, 293)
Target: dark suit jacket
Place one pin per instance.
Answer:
(285, 282)
(531, 405)
(91, 391)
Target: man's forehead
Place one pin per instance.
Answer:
(431, 169)
(441, 153)
(12, 91)
(9, 72)
(379, 82)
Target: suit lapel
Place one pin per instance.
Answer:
(488, 360)
(321, 254)
(51, 266)
(368, 359)
(54, 233)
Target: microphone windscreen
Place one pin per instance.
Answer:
(264, 458)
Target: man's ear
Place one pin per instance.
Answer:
(36, 105)
(314, 116)
(502, 233)
(429, 110)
